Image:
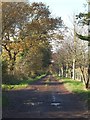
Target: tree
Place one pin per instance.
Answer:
(13, 16)
(63, 59)
(36, 60)
(84, 18)
(24, 26)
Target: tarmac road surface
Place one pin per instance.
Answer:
(46, 98)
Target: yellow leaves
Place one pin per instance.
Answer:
(12, 46)
(4, 54)
(27, 42)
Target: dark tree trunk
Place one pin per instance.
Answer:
(12, 57)
(13, 61)
(87, 84)
(82, 70)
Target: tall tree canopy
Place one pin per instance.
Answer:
(25, 25)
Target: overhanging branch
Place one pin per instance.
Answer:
(86, 38)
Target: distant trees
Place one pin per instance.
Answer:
(36, 60)
(76, 47)
(64, 58)
(25, 36)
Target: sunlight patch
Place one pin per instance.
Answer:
(33, 104)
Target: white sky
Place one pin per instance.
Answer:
(64, 8)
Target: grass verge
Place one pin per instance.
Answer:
(76, 87)
(20, 84)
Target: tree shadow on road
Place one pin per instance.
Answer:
(30, 103)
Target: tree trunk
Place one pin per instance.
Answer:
(73, 77)
(13, 61)
(87, 84)
(64, 70)
(88, 80)
(82, 70)
(9, 52)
